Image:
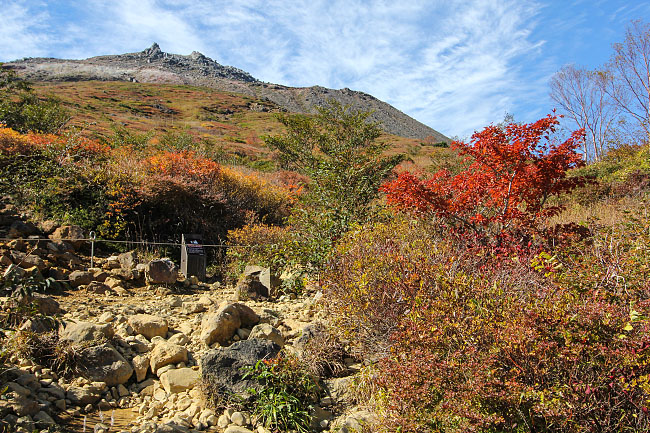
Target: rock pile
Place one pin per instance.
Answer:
(141, 348)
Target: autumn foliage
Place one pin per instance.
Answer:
(510, 173)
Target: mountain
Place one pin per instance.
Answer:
(155, 66)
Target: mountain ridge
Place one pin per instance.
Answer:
(153, 65)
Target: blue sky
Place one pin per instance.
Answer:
(456, 65)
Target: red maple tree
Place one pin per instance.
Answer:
(510, 173)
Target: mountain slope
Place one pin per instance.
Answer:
(155, 66)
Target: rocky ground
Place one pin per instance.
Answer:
(143, 340)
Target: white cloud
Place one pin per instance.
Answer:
(22, 32)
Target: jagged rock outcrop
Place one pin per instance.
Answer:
(152, 65)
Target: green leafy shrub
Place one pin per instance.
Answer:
(286, 395)
(24, 111)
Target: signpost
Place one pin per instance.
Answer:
(193, 256)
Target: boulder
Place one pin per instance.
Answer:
(82, 396)
(221, 325)
(33, 260)
(74, 235)
(166, 353)
(85, 331)
(128, 260)
(267, 332)
(80, 278)
(148, 325)
(104, 364)
(40, 325)
(97, 287)
(20, 229)
(45, 304)
(257, 282)
(222, 367)
(161, 271)
(140, 365)
(179, 380)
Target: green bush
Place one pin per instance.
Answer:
(287, 394)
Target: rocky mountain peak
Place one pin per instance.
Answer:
(153, 51)
(153, 65)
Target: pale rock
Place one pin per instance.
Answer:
(179, 380)
(267, 332)
(149, 325)
(140, 365)
(166, 353)
(180, 339)
(85, 331)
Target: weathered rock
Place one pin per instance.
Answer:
(33, 260)
(222, 367)
(82, 396)
(148, 325)
(43, 419)
(179, 379)
(23, 406)
(267, 332)
(97, 287)
(59, 274)
(161, 271)
(85, 331)
(140, 365)
(20, 229)
(71, 234)
(104, 364)
(80, 278)
(221, 325)
(180, 339)
(45, 304)
(166, 353)
(128, 260)
(257, 282)
(48, 226)
(40, 325)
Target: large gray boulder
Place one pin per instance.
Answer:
(104, 364)
(222, 367)
(161, 271)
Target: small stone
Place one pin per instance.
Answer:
(237, 418)
(223, 421)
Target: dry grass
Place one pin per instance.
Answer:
(606, 213)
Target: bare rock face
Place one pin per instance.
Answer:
(161, 271)
(148, 325)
